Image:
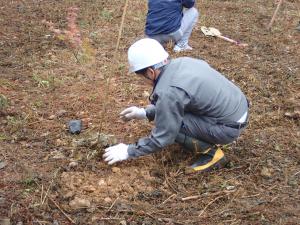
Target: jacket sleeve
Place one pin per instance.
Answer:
(188, 3)
(168, 120)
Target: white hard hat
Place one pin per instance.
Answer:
(144, 53)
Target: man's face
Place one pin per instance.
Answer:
(150, 76)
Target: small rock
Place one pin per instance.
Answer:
(45, 134)
(293, 115)
(102, 183)
(57, 155)
(70, 194)
(107, 200)
(265, 172)
(89, 188)
(116, 170)
(2, 165)
(130, 190)
(229, 188)
(52, 117)
(123, 222)
(75, 126)
(78, 203)
(73, 164)
(59, 142)
(61, 113)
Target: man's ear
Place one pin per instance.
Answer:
(151, 73)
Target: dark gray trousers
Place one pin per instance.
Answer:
(206, 129)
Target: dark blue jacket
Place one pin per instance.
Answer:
(164, 16)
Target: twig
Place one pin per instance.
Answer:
(296, 173)
(235, 195)
(62, 211)
(173, 195)
(121, 26)
(168, 182)
(50, 186)
(38, 121)
(211, 202)
(46, 195)
(76, 56)
(274, 15)
(112, 205)
(258, 164)
(108, 218)
(148, 214)
(273, 199)
(42, 194)
(236, 222)
(170, 185)
(191, 197)
(39, 222)
(250, 196)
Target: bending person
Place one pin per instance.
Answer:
(191, 104)
(171, 20)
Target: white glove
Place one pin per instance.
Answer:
(133, 112)
(116, 153)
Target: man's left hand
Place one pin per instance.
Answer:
(116, 153)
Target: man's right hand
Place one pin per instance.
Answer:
(133, 112)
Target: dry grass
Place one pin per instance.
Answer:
(40, 78)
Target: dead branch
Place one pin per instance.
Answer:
(191, 197)
(211, 202)
(274, 15)
(122, 24)
(173, 195)
(112, 205)
(60, 209)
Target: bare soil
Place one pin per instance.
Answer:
(46, 178)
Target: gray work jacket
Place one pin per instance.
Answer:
(188, 85)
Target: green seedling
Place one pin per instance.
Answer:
(106, 14)
(48, 82)
(28, 182)
(3, 137)
(40, 81)
(248, 10)
(15, 123)
(37, 104)
(129, 89)
(3, 101)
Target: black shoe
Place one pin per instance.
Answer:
(213, 158)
